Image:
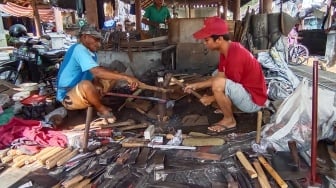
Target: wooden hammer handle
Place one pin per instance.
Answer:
(183, 86)
(67, 157)
(133, 144)
(259, 122)
(152, 88)
(294, 152)
(72, 181)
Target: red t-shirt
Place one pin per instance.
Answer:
(241, 67)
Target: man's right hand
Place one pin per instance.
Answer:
(190, 87)
(133, 82)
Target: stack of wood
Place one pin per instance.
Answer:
(48, 157)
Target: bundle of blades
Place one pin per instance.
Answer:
(82, 165)
(113, 175)
(215, 176)
(109, 156)
(80, 168)
(85, 176)
(182, 174)
(133, 156)
(81, 157)
(116, 171)
(243, 180)
(227, 150)
(234, 174)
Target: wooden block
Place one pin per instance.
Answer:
(262, 178)
(203, 141)
(67, 157)
(246, 164)
(46, 156)
(272, 172)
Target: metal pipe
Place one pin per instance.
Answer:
(89, 114)
(314, 122)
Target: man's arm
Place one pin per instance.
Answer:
(148, 22)
(203, 84)
(103, 73)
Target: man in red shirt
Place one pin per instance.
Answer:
(239, 81)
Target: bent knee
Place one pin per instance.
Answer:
(86, 85)
(218, 84)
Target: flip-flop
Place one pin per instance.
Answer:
(218, 111)
(223, 130)
(110, 118)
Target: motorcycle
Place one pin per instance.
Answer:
(32, 61)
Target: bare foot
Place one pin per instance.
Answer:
(106, 113)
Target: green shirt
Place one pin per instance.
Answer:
(156, 15)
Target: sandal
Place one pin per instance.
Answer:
(219, 128)
(109, 118)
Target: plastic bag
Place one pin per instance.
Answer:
(293, 120)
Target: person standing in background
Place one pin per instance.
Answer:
(156, 14)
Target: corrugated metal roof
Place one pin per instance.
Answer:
(18, 11)
(198, 3)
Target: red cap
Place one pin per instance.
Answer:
(212, 26)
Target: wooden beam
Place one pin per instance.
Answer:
(91, 12)
(37, 19)
(225, 8)
(236, 10)
(138, 15)
(267, 6)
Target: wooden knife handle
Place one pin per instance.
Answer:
(133, 144)
(72, 181)
(294, 152)
(67, 157)
(83, 183)
(153, 88)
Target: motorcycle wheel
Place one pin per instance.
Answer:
(10, 74)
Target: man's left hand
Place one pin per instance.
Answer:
(207, 100)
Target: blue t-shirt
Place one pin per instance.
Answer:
(75, 67)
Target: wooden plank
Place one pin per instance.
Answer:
(246, 164)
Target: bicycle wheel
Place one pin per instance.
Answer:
(11, 75)
(298, 54)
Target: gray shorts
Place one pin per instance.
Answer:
(240, 97)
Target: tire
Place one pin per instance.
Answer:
(10, 75)
(298, 54)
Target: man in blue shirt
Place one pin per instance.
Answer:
(80, 77)
(155, 15)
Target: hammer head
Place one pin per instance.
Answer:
(170, 104)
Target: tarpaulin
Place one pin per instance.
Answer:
(20, 11)
(32, 130)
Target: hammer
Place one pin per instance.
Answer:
(174, 80)
(154, 88)
(169, 103)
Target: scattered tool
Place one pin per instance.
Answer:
(128, 100)
(169, 103)
(154, 88)
(247, 165)
(90, 174)
(262, 178)
(259, 122)
(272, 172)
(288, 165)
